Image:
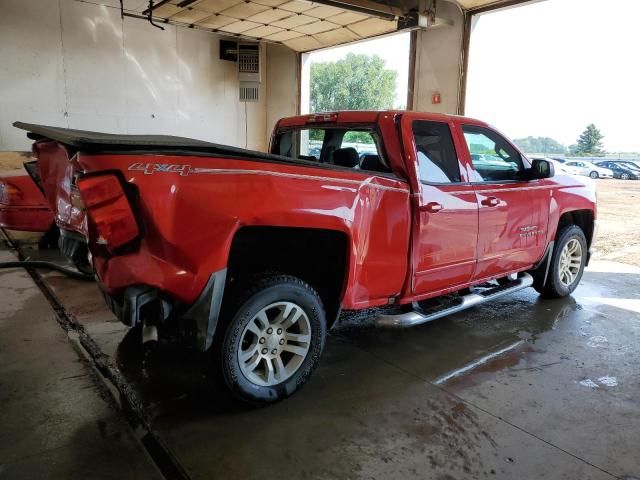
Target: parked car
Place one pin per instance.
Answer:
(622, 171)
(22, 204)
(631, 163)
(589, 169)
(256, 253)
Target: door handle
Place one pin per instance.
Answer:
(433, 207)
(490, 202)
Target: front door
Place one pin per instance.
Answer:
(513, 213)
(445, 210)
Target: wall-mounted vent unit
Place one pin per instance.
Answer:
(229, 50)
(249, 62)
(249, 72)
(249, 93)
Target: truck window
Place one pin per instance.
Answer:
(437, 158)
(358, 149)
(494, 159)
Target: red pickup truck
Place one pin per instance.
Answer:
(257, 253)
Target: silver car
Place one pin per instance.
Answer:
(588, 169)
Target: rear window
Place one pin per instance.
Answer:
(357, 148)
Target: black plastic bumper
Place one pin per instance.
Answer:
(136, 303)
(144, 303)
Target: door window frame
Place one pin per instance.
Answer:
(456, 151)
(525, 161)
(411, 154)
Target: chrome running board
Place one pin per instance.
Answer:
(410, 319)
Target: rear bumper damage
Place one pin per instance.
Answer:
(141, 304)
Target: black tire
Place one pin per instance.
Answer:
(625, 176)
(262, 292)
(594, 175)
(554, 288)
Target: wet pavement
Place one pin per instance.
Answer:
(55, 421)
(519, 388)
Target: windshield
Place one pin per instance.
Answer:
(355, 148)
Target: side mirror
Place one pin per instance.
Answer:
(541, 169)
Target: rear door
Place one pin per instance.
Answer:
(513, 213)
(445, 223)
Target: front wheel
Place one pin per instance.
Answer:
(594, 175)
(274, 340)
(624, 176)
(567, 263)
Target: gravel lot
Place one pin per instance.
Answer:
(619, 215)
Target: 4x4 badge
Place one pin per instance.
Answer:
(151, 168)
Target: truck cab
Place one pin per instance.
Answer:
(480, 209)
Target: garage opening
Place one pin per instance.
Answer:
(368, 75)
(544, 79)
(555, 76)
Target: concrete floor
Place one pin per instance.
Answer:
(55, 423)
(521, 388)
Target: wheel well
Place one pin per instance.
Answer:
(581, 218)
(317, 256)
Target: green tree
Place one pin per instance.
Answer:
(357, 82)
(540, 145)
(589, 143)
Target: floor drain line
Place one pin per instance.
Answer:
(131, 406)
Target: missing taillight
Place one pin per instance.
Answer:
(76, 199)
(109, 211)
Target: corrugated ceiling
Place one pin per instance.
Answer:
(472, 4)
(299, 24)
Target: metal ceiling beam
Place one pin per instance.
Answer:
(367, 7)
(498, 4)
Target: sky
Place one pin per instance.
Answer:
(394, 49)
(545, 69)
(553, 67)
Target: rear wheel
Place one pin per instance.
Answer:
(567, 262)
(274, 340)
(594, 174)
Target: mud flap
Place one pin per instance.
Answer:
(541, 271)
(205, 311)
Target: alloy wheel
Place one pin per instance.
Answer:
(570, 262)
(274, 344)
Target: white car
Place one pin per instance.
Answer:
(562, 167)
(559, 166)
(588, 169)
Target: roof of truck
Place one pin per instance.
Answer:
(364, 116)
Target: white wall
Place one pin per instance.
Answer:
(282, 79)
(78, 65)
(438, 63)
